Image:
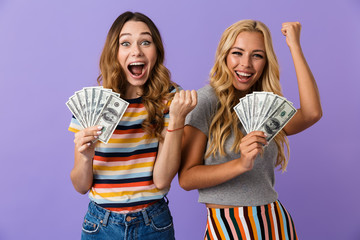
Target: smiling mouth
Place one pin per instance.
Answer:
(242, 76)
(136, 68)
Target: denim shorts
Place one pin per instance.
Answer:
(153, 222)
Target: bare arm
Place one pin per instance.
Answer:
(168, 160)
(82, 172)
(194, 174)
(310, 110)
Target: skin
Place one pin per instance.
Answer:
(247, 57)
(193, 173)
(136, 46)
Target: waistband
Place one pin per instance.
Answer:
(244, 208)
(105, 215)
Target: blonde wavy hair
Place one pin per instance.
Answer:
(225, 119)
(156, 89)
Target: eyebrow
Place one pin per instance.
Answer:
(256, 50)
(129, 34)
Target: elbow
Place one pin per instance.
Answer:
(315, 117)
(185, 184)
(161, 185)
(80, 189)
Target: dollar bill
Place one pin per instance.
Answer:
(241, 115)
(110, 116)
(98, 106)
(277, 120)
(259, 100)
(74, 110)
(264, 111)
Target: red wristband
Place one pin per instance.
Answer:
(173, 130)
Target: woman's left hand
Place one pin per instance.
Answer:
(291, 30)
(182, 103)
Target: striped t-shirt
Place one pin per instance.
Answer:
(123, 168)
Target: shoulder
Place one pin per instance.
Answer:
(207, 97)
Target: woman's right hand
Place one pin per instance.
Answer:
(85, 141)
(250, 146)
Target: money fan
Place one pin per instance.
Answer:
(98, 106)
(264, 111)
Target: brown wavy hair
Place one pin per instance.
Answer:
(156, 89)
(225, 119)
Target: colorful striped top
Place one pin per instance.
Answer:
(123, 168)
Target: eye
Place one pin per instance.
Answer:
(125, 44)
(237, 53)
(258, 56)
(145, 43)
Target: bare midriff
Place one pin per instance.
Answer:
(210, 205)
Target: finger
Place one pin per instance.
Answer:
(255, 133)
(181, 95)
(188, 100)
(261, 139)
(84, 147)
(254, 146)
(176, 97)
(194, 98)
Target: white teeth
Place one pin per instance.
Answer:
(243, 74)
(137, 63)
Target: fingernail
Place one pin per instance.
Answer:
(95, 136)
(100, 127)
(99, 132)
(88, 144)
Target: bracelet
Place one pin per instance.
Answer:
(173, 130)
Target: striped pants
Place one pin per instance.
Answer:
(268, 222)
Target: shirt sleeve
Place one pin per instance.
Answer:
(74, 126)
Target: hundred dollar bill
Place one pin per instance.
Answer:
(244, 106)
(104, 95)
(259, 100)
(269, 98)
(75, 111)
(110, 116)
(88, 99)
(275, 104)
(250, 109)
(240, 113)
(81, 98)
(277, 120)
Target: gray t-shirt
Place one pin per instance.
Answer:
(252, 188)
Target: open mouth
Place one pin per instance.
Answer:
(136, 69)
(242, 76)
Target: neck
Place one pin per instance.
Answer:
(133, 92)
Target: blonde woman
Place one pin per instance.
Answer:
(129, 177)
(233, 172)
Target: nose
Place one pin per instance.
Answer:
(246, 61)
(136, 50)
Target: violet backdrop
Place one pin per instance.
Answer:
(50, 49)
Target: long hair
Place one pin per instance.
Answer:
(225, 119)
(155, 90)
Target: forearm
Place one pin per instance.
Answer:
(168, 159)
(82, 174)
(204, 176)
(308, 91)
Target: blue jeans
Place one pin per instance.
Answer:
(153, 222)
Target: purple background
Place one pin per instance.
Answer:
(50, 49)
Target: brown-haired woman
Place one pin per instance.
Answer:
(233, 172)
(127, 186)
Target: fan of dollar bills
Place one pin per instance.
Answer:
(264, 111)
(98, 106)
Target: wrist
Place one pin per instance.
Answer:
(176, 123)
